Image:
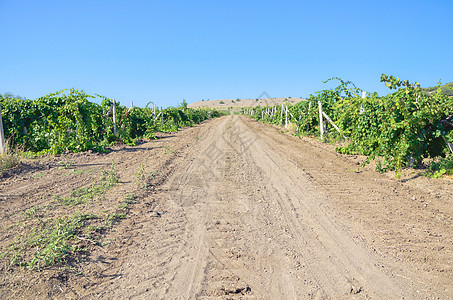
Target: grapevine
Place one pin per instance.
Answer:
(69, 120)
(397, 131)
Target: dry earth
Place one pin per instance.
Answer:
(223, 104)
(251, 213)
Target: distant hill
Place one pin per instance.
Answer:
(446, 89)
(236, 104)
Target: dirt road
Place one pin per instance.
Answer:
(249, 212)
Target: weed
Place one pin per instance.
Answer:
(168, 150)
(65, 164)
(46, 240)
(110, 175)
(130, 197)
(92, 192)
(8, 158)
(71, 269)
(77, 172)
(52, 241)
(38, 175)
(153, 174)
(140, 178)
(114, 218)
(125, 204)
(441, 167)
(105, 242)
(31, 212)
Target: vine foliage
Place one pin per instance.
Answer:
(69, 120)
(397, 130)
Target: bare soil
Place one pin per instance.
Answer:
(237, 209)
(237, 104)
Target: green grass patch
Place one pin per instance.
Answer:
(57, 234)
(92, 192)
(48, 243)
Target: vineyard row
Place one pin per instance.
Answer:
(64, 121)
(397, 130)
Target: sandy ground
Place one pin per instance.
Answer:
(251, 213)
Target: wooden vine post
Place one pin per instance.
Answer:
(154, 112)
(286, 116)
(362, 110)
(2, 135)
(114, 117)
(162, 116)
(281, 114)
(321, 123)
(333, 124)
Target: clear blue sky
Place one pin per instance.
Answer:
(164, 51)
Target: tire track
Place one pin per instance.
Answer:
(255, 215)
